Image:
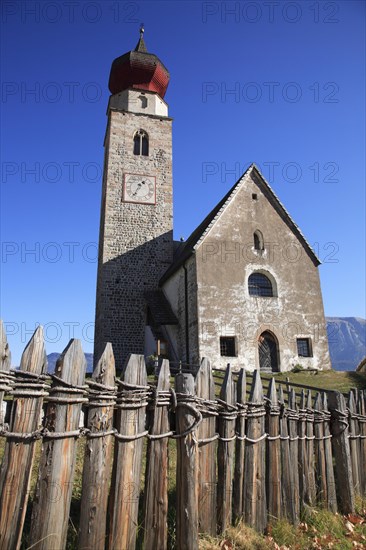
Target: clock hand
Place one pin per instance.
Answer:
(138, 187)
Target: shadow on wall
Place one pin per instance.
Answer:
(120, 305)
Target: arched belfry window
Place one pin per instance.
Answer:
(260, 285)
(141, 143)
(258, 240)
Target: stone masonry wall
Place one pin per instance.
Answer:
(135, 245)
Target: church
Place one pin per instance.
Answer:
(243, 289)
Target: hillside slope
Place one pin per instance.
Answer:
(347, 341)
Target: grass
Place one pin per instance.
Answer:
(325, 380)
(240, 536)
(328, 380)
(319, 530)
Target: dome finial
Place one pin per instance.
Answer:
(141, 46)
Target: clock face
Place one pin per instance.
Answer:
(139, 188)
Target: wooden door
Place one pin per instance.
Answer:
(268, 353)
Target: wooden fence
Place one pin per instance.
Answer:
(240, 453)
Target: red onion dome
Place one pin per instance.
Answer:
(140, 70)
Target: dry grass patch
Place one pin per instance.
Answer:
(240, 537)
(318, 530)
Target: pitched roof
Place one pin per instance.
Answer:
(201, 231)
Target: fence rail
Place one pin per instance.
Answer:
(239, 454)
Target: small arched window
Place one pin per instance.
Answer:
(143, 100)
(260, 285)
(141, 143)
(258, 240)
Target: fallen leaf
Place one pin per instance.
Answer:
(349, 526)
(356, 520)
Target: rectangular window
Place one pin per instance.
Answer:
(304, 347)
(227, 346)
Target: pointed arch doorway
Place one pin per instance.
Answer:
(268, 352)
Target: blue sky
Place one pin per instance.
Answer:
(281, 84)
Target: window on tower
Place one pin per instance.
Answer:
(141, 143)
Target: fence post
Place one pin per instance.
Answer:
(225, 451)
(273, 473)
(303, 455)
(362, 426)
(255, 511)
(156, 477)
(130, 425)
(311, 486)
(98, 453)
(51, 505)
(5, 363)
(187, 465)
(341, 451)
(288, 508)
(238, 495)
(17, 462)
(331, 487)
(206, 432)
(354, 437)
(293, 418)
(319, 442)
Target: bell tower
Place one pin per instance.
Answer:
(136, 223)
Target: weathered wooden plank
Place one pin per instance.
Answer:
(273, 462)
(362, 428)
(98, 453)
(354, 437)
(5, 363)
(156, 477)
(57, 464)
(187, 468)
(288, 510)
(311, 485)
(225, 451)
(125, 486)
(205, 389)
(238, 489)
(18, 455)
(320, 460)
(303, 455)
(255, 513)
(331, 487)
(341, 452)
(293, 417)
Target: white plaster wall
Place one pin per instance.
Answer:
(225, 259)
(136, 101)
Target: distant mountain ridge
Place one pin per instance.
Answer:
(52, 359)
(346, 337)
(347, 341)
